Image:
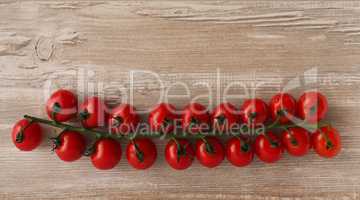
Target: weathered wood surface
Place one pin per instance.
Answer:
(268, 42)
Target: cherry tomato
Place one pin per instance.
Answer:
(239, 152)
(93, 113)
(282, 106)
(224, 117)
(296, 141)
(254, 111)
(141, 153)
(69, 146)
(107, 154)
(326, 142)
(162, 118)
(312, 107)
(195, 118)
(62, 106)
(124, 119)
(210, 153)
(268, 147)
(179, 154)
(26, 136)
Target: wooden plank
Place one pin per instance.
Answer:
(262, 44)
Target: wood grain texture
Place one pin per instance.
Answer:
(254, 42)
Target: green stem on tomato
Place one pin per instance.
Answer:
(20, 134)
(139, 153)
(56, 140)
(303, 125)
(208, 147)
(245, 147)
(180, 150)
(292, 137)
(65, 126)
(55, 110)
(329, 144)
(276, 122)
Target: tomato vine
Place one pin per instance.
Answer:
(265, 131)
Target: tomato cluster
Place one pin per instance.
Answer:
(294, 126)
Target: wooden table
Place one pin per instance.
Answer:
(257, 45)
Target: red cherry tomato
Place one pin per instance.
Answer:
(26, 136)
(141, 153)
(268, 147)
(282, 106)
(162, 118)
(210, 153)
(254, 111)
(69, 146)
(180, 154)
(93, 113)
(62, 106)
(296, 141)
(326, 142)
(312, 107)
(107, 154)
(224, 117)
(124, 119)
(238, 152)
(195, 118)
